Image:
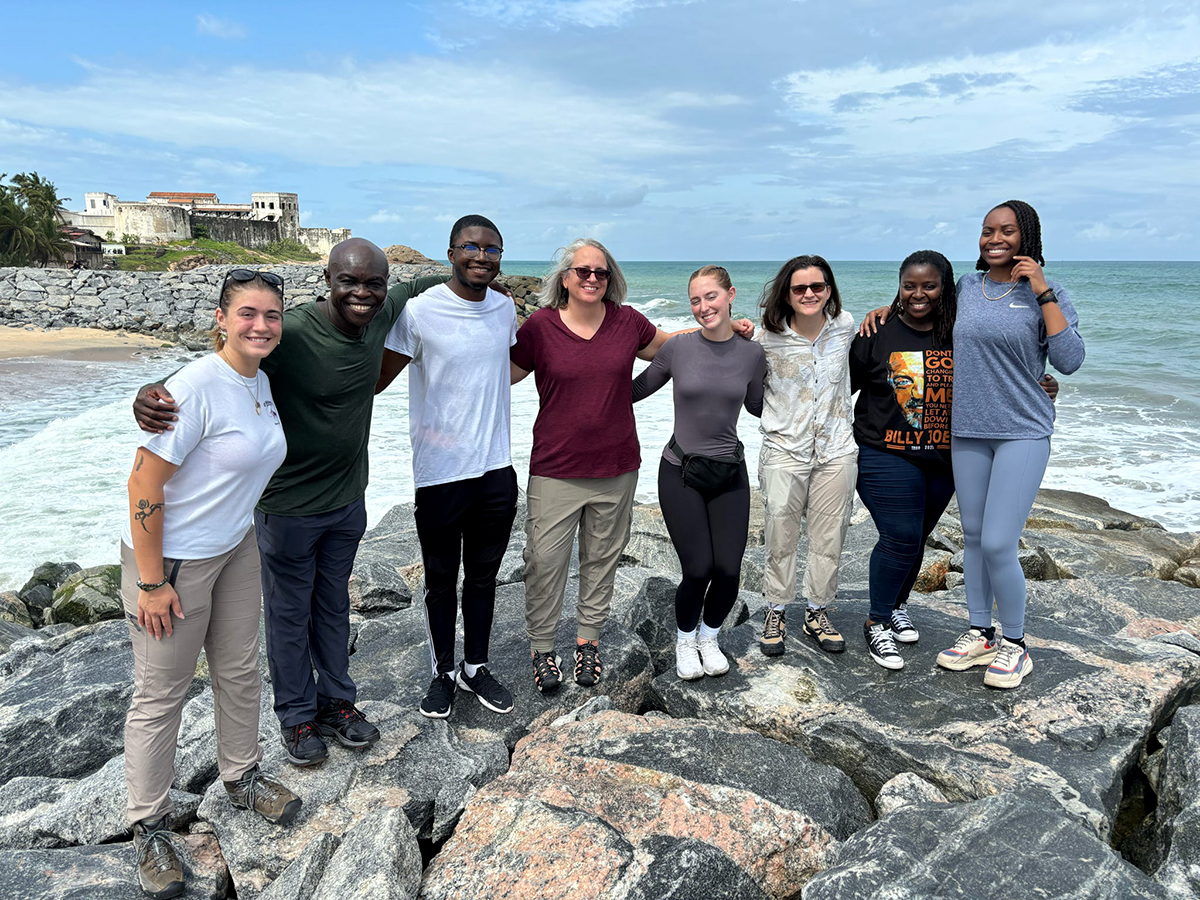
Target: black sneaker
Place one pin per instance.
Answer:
(903, 629)
(342, 721)
(484, 685)
(882, 645)
(439, 697)
(303, 745)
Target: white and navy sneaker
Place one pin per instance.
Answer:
(903, 629)
(882, 646)
(1011, 665)
(971, 649)
(491, 693)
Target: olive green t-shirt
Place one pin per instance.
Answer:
(323, 382)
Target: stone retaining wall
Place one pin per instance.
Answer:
(176, 305)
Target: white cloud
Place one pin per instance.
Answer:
(384, 217)
(219, 28)
(589, 13)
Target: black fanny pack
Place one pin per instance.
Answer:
(708, 474)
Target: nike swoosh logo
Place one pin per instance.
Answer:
(1019, 306)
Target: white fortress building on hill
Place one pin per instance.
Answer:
(171, 216)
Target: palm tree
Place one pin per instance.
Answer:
(30, 232)
(39, 195)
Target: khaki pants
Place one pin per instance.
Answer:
(601, 510)
(823, 494)
(221, 599)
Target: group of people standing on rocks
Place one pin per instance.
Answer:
(248, 486)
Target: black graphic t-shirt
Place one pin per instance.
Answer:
(905, 389)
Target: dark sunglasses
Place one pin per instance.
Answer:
(241, 276)
(584, 273)
(817, 287)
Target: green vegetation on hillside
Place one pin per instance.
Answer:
(29, 223)
(159, 257)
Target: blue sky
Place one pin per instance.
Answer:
(669, 129)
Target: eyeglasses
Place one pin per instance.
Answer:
(241, 276)
(817, 287)
(473, 250)
(583, 273)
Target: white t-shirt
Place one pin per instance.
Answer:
(226, 454)
(459, 416)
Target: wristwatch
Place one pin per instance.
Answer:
(1047, 296)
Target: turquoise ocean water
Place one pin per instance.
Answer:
(1128, 422)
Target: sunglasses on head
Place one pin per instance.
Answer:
(584, 273)
(241, 276)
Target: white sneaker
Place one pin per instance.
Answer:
(882, 646)
(971, 649)
(711, 656)
(1011, 665)
(687, 660)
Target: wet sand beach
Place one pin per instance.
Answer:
(86, 344)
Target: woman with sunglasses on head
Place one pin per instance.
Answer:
(703, 487)
(808, 462)
(190, 572)
(581, 344)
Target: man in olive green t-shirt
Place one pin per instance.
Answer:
(313, 513)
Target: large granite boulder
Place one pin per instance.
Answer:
(648, 807)
(1076, 727)
(107, 872)
(11, 632)
(89, 596)
(1012, 845)
(50, 575)
(1177, 831)
(14, 610)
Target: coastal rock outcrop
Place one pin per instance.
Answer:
(1177, 830)
(88, 596)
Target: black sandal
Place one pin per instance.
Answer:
(587, 664)
(546, 673)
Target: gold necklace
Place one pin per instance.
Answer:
(983, 288)
(253, 394)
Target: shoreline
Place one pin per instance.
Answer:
(83, 344)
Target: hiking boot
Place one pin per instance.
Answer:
(882, 645)
(903, 629)
(818, 627)
(587, 664)
(687, 659)
(773, 632)
(1010, 666)
(483, 684)
(303, 745)
(158, 868)
(971, 649)
(342, 721)
(546, 672)
(265, 796)
(439, 697)
(711, 657)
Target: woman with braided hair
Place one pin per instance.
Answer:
(1011, 319)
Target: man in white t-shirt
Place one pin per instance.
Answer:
(456, 337)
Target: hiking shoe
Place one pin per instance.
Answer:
(818, 627)
(483, 684)
(303, 745)
(711, 657)
(903, 629)
(439, 697)
(971, 649)
(342, 721)
(773, 632)
(687, 659)
(881, 644)
(546, 672)
(158, 868)
(265, 796)
(1011, 664)
(587, 664)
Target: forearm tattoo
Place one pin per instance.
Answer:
(145, 510)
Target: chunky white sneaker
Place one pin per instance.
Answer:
(903, 629)
(1012, 663)
(687, 660)
(971, 649)
(711, 657)
(882, 646)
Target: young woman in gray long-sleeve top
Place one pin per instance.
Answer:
(1011, 319)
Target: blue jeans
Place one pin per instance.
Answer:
(905, 500)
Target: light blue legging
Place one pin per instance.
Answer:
(996, 482)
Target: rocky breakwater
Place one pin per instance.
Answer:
(178, 306)
(809, 775)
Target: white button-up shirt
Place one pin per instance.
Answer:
(806, 404)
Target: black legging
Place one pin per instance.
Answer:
(709, 534)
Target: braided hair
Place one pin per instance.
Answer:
(947, 306)
(1030, 227)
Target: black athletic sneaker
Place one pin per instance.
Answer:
(303, 745)
(491, 693)
(882, 645)
(439, 697)
(342, 721)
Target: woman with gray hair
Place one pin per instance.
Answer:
(581, 345)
